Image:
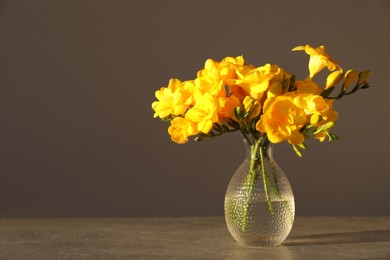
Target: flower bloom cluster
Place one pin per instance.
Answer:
(230, 95)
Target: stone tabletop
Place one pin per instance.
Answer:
(188, 238)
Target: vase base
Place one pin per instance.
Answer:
(257, 244)
(254, 240)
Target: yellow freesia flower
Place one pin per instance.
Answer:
(188, 87)
(311, 104)
(281, 120)
(226, 69)
(237, 92)
(180, 129)
(227, 105)
(209, 83)
(173, 99)
(316, 107)
(275, 88)
(318, 111)
(330, 115)
(204, 112)
(307, 86)
(318, 59)
(257, 81)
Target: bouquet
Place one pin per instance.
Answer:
(266, 104)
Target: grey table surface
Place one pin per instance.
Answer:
(188, 238)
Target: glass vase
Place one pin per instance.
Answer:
(259, 202)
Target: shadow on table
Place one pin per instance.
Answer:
(340, 238)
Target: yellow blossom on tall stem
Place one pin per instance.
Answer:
(318, 59)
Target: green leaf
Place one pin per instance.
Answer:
(324, 127)
(332, 137)
(237, 112)
(302, 146)
(299, 153)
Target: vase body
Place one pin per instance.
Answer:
(259, 202)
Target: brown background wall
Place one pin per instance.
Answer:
(77, 78)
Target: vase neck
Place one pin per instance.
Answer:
(255, 147)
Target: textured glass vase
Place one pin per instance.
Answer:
(259, 202)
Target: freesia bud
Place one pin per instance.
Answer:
(363, 76)
(248, 103)
(350, 77)
(251, 106)
(333, 78)
(315, 119)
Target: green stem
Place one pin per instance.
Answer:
(252, 177)
(257, 144)
(265, 176)
(258, 147)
